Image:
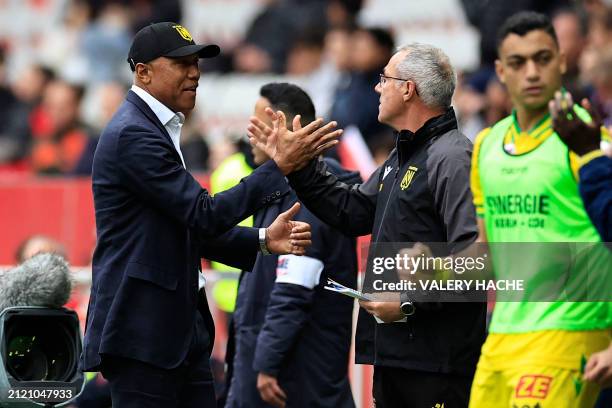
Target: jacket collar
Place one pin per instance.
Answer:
(146, 110)
(163, 113)
(435, 126)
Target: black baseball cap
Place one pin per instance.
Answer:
(166, 40)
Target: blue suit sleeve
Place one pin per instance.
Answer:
(148, 167)
(596, 192)
(288, 310)
(287, 313)
(237, 247)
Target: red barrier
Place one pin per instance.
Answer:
(58, 207)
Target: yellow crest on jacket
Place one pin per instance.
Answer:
(408, 177)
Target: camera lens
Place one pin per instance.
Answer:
(39, 350)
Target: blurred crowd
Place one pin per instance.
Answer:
(54, 105)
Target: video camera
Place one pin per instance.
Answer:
(40, 342)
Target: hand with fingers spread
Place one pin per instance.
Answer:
(285, 236)
(599, 368)
(270, 391)
(579, 136)
(292, 149)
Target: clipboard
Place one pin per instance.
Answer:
(334, 286)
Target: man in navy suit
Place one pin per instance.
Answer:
(149, 330)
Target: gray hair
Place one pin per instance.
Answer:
(430, 69)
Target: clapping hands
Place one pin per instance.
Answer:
(292, 150)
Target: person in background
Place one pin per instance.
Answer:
(601, 78)
(292, 336)
(105, 41)
(225, 176)
(62, 144)
(535, 352)
(306, 53)
(195, 148)
(24, 115)
(570, 26)
(370, 48)
(37, 244)
(108, 97)
(272, 33)
(343, 13)
(7, 97)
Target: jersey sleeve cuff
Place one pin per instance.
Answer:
(584, 159)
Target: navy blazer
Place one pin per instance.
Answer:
(154, 222)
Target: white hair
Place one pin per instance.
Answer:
(430, 69)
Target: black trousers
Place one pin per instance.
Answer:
(401, 388)
(135, 384)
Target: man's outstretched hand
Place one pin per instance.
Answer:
(579, 136)
(285, 236)
(292, 150)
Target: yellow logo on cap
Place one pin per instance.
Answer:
(183, 32)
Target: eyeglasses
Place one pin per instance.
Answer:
(383, 80)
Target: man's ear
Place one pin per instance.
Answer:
(408, 90)
(143, 73)
(499, 70)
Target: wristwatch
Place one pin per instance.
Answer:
(263, 247)
(406, 305)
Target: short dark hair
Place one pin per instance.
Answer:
(382, 37)
(291, 99)
(352, 7)
(524, 22)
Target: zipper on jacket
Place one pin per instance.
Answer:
(382, 217)
(399, 165)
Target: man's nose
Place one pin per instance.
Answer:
(533, 72)
(194, 72)
(377, 88)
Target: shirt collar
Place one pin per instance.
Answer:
(433, 127)
(163, 113)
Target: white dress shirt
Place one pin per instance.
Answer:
(173, 122)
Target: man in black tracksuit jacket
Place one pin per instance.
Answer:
(420, 194)
(293, 337)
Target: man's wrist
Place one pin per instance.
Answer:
(285, 169)
(263, 241)
(406, 306)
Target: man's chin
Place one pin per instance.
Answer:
(536, 103)
(187, 107)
